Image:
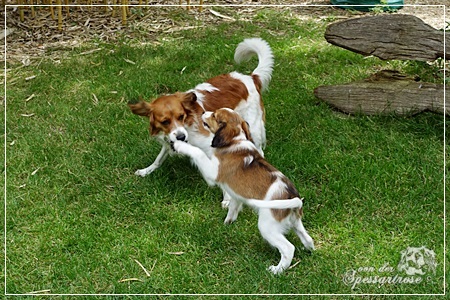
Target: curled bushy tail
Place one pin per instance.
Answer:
(249, 47)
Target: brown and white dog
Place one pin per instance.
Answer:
(239, 169)
(178, 116)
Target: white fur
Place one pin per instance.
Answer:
(271, 230)
(247, 48)
(248, 160)
(195, 138)
(251, 112)
(209, 167)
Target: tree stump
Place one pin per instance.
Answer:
(385, 92)
(394, 36)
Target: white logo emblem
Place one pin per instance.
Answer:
(417, 261)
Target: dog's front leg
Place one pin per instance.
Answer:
(163, 154)
(208, 167)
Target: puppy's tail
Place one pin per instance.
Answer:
(246, 49)
(276, 204)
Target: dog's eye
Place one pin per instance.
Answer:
(165, 122)
(180, 118)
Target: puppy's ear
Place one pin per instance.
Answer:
(224, 135)
(246, 129)
(140, 108)
(189, 101)
(221, 137)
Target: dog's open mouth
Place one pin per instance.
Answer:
(206, 125)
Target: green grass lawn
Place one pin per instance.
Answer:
(78, 219)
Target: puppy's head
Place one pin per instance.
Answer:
(226, 125)
(168, 114)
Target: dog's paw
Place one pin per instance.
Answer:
(309, 245)
(275, 269)
(177, 146)
(141, 173)
(172, 146)
(229, 220)
(144, 172)
(231, 217)
(225, 203)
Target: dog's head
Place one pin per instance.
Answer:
(226, 125)
(168, 114)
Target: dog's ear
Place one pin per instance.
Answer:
(221, 137)
(144, 109)
(140, 108)
(224, 135)
(246, 129)
(189, 101)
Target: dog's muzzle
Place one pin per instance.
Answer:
(181, 137)
(179, 134)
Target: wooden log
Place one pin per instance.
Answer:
(392, 36)
(383, 93)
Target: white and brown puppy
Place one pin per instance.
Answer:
(178, 116)
(239, 169)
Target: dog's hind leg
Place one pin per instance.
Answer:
(233, 211)
(300, 230)
(162, 156)
(226, 200)
(272, 231)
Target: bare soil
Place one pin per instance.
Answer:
(39, 33)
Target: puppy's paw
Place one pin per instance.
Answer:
(141, 173)
(172, 147)
(146, 171)
(225, 203)
(275, 269)
(309, 245)
(177, 146)
(230, 218)
(228, 221)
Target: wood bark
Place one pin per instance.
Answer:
(394, 36)
(386, 92)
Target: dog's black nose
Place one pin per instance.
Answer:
(181, 137)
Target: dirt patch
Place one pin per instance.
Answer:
(39, 32)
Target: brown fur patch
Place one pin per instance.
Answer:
(168, 111)
(257, 82)
(230, 92)
(226, 125)
(258, 85)
(141, 108)
(249, 181)
(280, 214)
